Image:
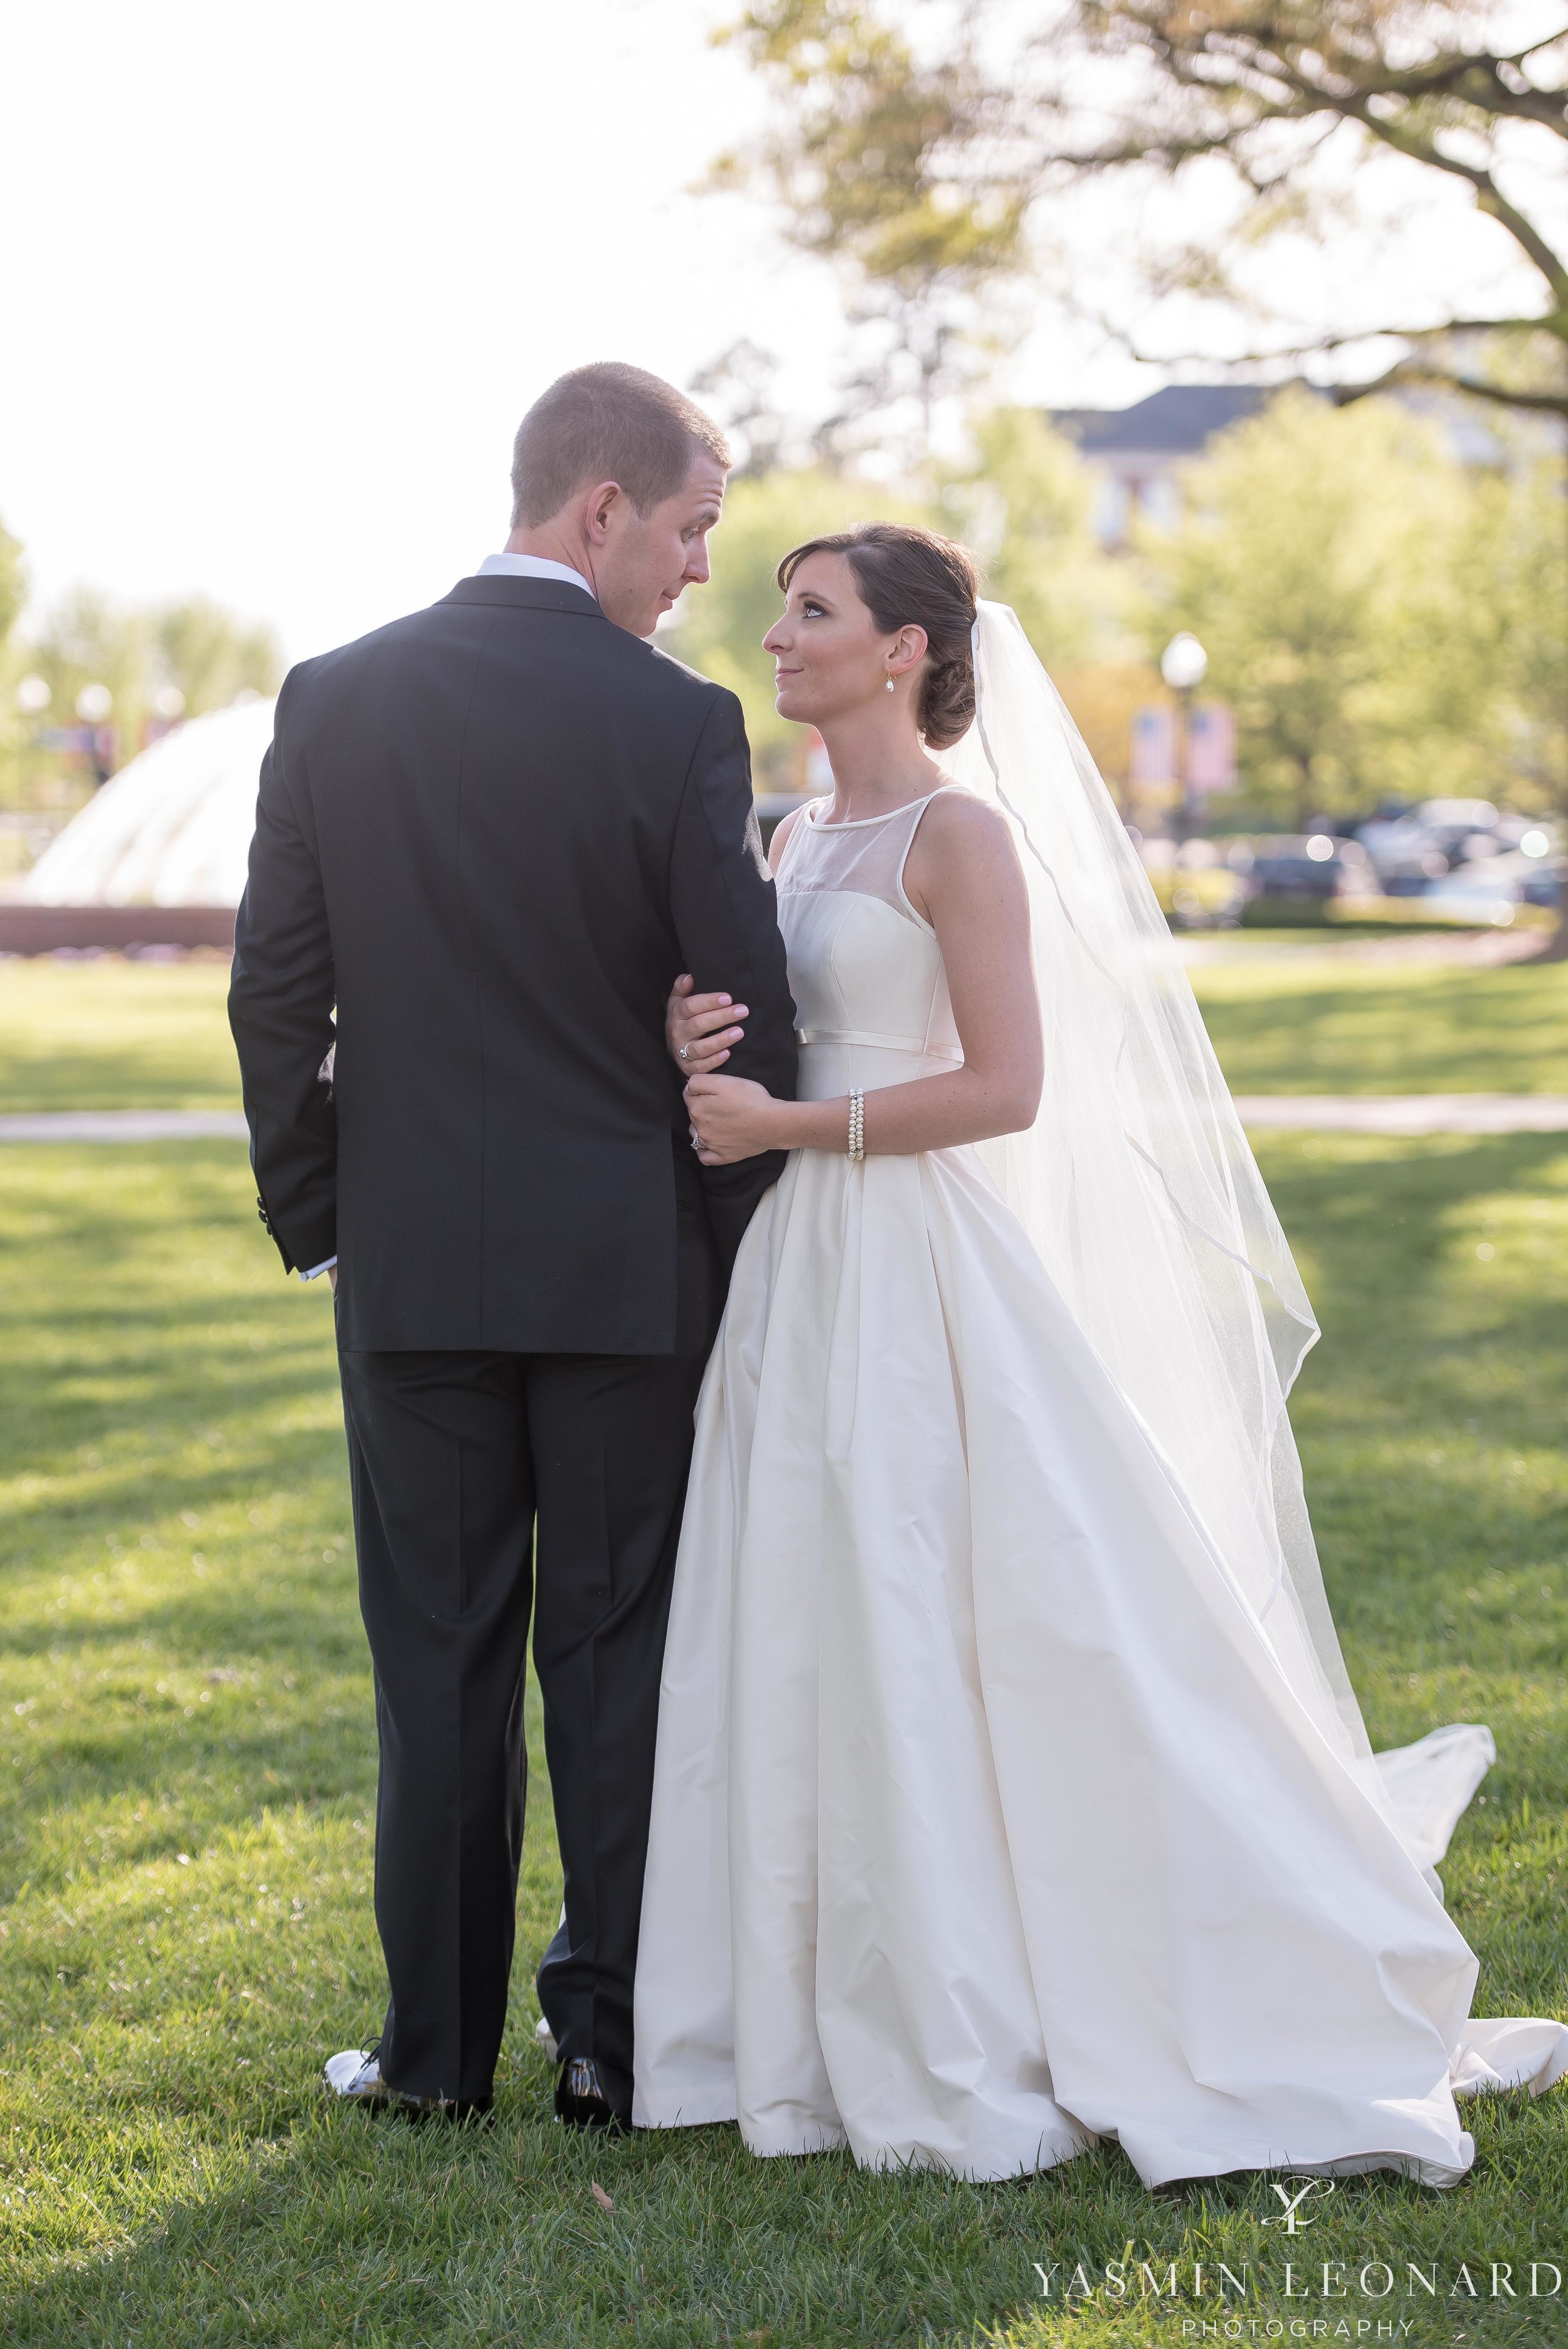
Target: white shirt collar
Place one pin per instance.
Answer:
(532, 566)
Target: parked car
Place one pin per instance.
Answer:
(1420, 848)
(1542, 879)
(1490, 888)
(1301, 871)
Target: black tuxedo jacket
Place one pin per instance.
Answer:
(491, 835)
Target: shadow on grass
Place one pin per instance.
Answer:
(111, 1034)
(347, 2228)
(182, 1638)
(1431, 1416)
(171, 2174)
(42, 1079)
(1389, 1030)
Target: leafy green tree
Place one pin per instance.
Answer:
(13, 584)
(1023, 502)
(920, 163)
(208, 656)
(1517, 575)
(84, 643)
(88, 641)
(1326, 564)
(13, 596)
(1515, 565)
(880, 162)
(172, 661)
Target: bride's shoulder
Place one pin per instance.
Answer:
(784, 831)
(961, 857)
(957, 821)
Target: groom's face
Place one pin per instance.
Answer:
(648, 560)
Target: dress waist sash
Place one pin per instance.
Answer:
(879, 1044)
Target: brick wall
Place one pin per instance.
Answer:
(45, 929)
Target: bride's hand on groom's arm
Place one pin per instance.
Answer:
(732, 1118)
(700, 1028)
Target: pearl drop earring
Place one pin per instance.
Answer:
(890, 687)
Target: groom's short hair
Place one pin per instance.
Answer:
(607, 423)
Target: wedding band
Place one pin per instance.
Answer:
(683, 1053)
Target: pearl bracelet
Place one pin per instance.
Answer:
(857, 1127)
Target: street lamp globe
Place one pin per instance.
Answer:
(1183, 663)
(33, 696)
(94, 703)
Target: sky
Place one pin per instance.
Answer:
(281, 282)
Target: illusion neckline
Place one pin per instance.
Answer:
(855, 822)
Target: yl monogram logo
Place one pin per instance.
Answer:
(1293, 2217)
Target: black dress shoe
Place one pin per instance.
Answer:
(580, 2099)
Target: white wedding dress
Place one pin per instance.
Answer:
(985, 1821)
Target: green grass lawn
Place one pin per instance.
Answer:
(187, 1784)
(112, 1034)
(1299, 1021)
(116, 1035)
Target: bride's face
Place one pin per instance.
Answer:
(829, 657)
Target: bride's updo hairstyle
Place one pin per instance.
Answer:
(911, 578)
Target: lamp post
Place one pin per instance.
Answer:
(94, 703)
(167, 711)
(1183, 664)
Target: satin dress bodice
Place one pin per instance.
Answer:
(866, 972)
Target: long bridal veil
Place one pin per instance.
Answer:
(1137, 1186)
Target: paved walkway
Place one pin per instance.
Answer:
(1409, 1112)
(125, 1125)
(1320, 1113)
(1307, 949)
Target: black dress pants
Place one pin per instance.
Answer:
(458, 1462)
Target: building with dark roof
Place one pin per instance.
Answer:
(1138, 452)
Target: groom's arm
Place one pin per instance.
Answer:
(281, 1000)
(722, 904)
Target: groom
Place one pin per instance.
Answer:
(491, 835)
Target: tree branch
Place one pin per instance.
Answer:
(1489, 198)
(912, 158)
(1541, 403)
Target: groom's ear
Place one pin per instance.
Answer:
(598, 506)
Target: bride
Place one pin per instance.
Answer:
(1010, 1789)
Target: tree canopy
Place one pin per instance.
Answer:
(13, 584)
(160, 662)
(1021, 500)
(921, 160)
(1385, 620)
